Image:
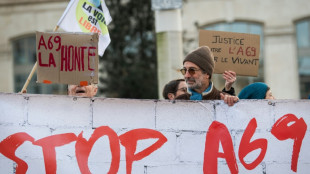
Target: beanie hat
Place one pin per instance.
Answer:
(256, 90)
(203, 58)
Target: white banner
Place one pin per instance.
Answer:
(88, 16)
(62, 134)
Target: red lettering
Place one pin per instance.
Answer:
(129, 141)
(87, 26)
(246, 146)
(77, 60)
(230, 51)
(254, 51)
(282, 130)
(70, 56)
(57, 39)
(49, 43)
(83, 148)
(80, 21)
(218, 133)
(82, 49)
(41, 42)
(48, 145)
(287, 127)
(64, 58)
(40, 61)
(240, 51)
(91, 52)
(249, 51)
(51, 60)
(93, 29)
(9, 145)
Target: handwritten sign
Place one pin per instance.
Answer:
(68, 58)
(238, 52)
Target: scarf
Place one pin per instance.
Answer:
(197, 96)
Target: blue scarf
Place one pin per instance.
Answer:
(197, 96)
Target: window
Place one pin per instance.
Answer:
(244, 27)
(303, 51)
(24, 55)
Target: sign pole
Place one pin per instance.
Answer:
(24, 89)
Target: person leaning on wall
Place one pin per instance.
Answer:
(257, 90)
(174, 88)
(177, 87)
(197, 70)
(82, 91)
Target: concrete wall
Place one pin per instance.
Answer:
(178, 130)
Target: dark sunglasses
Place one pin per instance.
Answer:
(191, 71)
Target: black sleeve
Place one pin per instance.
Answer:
(230, 92)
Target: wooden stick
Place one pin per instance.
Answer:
(56, 28)
(24, 90)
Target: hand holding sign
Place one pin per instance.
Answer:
(233, 51)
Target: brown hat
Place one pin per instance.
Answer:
(202, 57)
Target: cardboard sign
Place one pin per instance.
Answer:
(68, 58)
(238, 52)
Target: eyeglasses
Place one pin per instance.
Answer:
(191, 71)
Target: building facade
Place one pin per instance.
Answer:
(20, 20)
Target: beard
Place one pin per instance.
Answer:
(195, 83)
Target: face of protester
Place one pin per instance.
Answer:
(82, 91)
(197, 80)
(182, 89)
(269, 95)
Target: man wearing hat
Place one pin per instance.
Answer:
(197, 70)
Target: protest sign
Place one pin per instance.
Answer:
(238, 52)
(67, 58)
(83, 16)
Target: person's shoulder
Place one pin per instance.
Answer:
(215, 94)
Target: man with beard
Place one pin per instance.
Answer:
(197, 70)
(82, 91)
